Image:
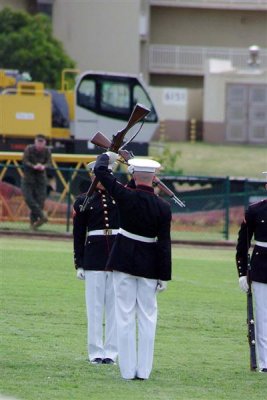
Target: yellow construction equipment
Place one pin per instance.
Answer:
(86, 103)
(26, 108)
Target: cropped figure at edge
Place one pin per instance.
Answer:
(94, 232)
(255, 225)
(140, 260)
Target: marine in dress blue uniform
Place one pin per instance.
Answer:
(255, 226)
(141, 262)
(94, 232)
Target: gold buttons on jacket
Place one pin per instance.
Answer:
(104, 203)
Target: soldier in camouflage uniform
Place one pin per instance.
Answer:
(36, 158)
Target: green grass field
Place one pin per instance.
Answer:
(201, 349)
(205, 159)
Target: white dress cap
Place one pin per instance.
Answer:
(90, 166)
(143, 165)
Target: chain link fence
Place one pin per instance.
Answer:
(214, 205)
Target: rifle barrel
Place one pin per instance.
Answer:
(250, 321)
(168, 191)
(178, 201)
(89, 193)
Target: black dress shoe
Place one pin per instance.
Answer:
(139, 379)
(108, 361)
(263, 370)
(96, 361)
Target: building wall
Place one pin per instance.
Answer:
(105, 35)
(172, 80)
(16, 4)
(176, 107)
(202, 27)
(100, 34)
(215, 85)
(195, 104)
(214, 113)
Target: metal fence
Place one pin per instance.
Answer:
(214, 205)
(191, 59)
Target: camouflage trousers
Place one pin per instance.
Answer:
(34, 193)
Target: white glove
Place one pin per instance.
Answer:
(80, 274)
(131, 169)
(161, 286)
(243, 283)
(112, 159)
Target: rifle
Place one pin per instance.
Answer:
(250, 320)
(168, 191)
(139, 112)
(102, 141)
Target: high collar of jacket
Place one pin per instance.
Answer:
(145, 188)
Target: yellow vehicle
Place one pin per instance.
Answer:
(99, 101)
(28, 108)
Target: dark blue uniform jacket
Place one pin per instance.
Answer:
(91, 253)
(254, 224)
(141, 213)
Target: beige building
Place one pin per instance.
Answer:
(169, 42)
(235, 103)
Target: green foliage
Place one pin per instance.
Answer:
(168, 156)
(201, 350)
(27, 44)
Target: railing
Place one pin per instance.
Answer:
(64, 180)
(224, 4)
(190, 60)
(214, 206)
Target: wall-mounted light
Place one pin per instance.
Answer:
(254, 52)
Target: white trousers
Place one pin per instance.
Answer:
(135, 301)
(260, 299)
(100, 306)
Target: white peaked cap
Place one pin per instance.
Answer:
(90, 166)
(144, 165)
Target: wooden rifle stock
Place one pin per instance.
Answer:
(137, 115)
(139, 112)
(102, 141)
(250, 321)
